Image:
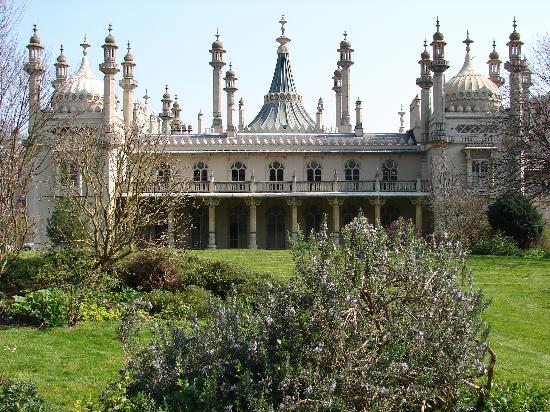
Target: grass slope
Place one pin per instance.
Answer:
(69, 363)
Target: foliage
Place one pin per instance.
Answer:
(153, 269)
(92, 311)
(386, 321)
(513, 397)
(19, 396)
(516, 216)
(193, 300)
(63, 229)
(497, 244)
(47, 307)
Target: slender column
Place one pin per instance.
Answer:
(294, 203)
(199, 122)
(377, 202)
(252, 203)
(336, 203)
(418, 213)
(128, 85)
(338, 94)
(468, 168)
(171, 237)
(217, 63)
(241, 115)
(212, 203)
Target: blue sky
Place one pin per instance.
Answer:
(170, 43)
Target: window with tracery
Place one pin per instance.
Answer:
(238, 172)
(480, 171)
(389, 170)
(351, 170)
(200, 172)
(70, 175)
(313, 171)
(276, 172)
(163, 173)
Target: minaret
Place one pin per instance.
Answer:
(515, 66)
(241, 115)
(60, 70)
(230, 89)
(401, 115)
(358, 118)
(438, 67)
(199, 122)
(176, 123)
(35, 69)
(345, 63)
(494, 67)
(109, 68)
(337, 87)
(128, 85)
(526, 81)
(319, 116)
(166, 114)
(425, 82)
(217, 63)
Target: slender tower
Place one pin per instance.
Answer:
(35, 69)
(230, 89)
(241, 114)
(176, 125)
(515, 66)
(166, 114)
(345, 63)
(358, 118)
(319, 116)
(128, 85)
(337, 87)
(60, 71)
(217, 63)
(425, 82)
(109, 68)
(526, 81)
(438, 67)
(199, 122)
(494, 67)
(401, 115)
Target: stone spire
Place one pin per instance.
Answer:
(337, 87)
(494, 67)
(319, 116)
(128, 84)
(438, 66)
(241, 114)
(345, 63)
(176, 122)
(358, 118)
(109, 68)
(166, 114)
(217, 63)
(282, 111)
(230, 89)
(35, 69)
(515, 66)
(401, 114)
(60, 69)
(425, 82)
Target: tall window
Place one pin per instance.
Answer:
(238, 172)
(163, 173)
(70, 175)
(389, 170)
(237, 228)
(200, 172)
(276, 233)
(313, 171)
(276, 171)
(480, 170)
(199, 228)
(351, 170)
(314, 218)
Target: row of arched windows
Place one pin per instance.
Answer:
(314, 171)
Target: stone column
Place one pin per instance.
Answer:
(418, 215)
(336, 203)
(171, 237)
(212, 203)
(252, 203)
(469, 168)
(294, 203)
(377, 202)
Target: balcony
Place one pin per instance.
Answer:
(300, 188)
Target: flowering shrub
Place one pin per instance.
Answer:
(19, 396)
(386, 321)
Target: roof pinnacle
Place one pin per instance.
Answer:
(128, 44)
(283, 22)
(110, 28)
(514, 24)
(84, 46)
(468, 41)
(437, 23)
(494, 45)
(217, 34)
(35, 29)
(146, 97)
(345, 35)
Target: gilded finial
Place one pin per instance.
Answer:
(84, 45)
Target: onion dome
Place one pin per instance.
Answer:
(110, 39)
(469, 90)
(217, 44)
(166, 94)
(345, 44)
(61, 58)
(425, 55)
(230, 72)
(437, 35)
(494, 54)
(514, 36)
(129, 56)
(34, 40)
(176, 104)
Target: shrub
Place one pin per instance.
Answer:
(152, 269)
(64, 228)
(179, 305)
(382, 322)
(517, 217)
(47, 307)
(497, 244)
(511, 397)
(19, 396)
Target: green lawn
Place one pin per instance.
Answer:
(70, 363)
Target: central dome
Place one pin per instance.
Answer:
(470, 91)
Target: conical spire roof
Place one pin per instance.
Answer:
(282, 110)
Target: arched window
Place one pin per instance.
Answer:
(351, 170)
(389, 170)
(276, 233)
(313, 171)
(70, 174)
(313, 218)
(199, 228)
(163, 173)
(237, 228)
(238, 172)
(276, 172)
(200, 172)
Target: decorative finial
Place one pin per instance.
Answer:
(494, 45)
(230, 64)
(345, 35)
(110, 28)
(437, 23)
(514, 24)
(468, 41)
(84, 45)
(146, 97)
(61, 49)
(34, 28)
(128, 46)
(425, 45)
(166, 88)
(283, 22)
(217, 34)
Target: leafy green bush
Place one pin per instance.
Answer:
(19, 396)
(64, 228)
(382, 322)
(517, 217)
(92, 311)
(497, 244)
(152, 269)
(47, 307)
(510, 397)
(179, 305)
